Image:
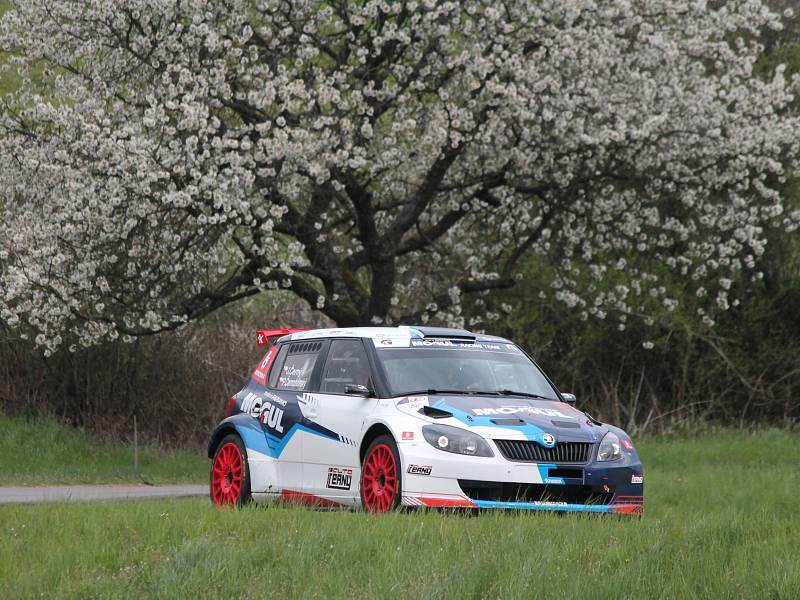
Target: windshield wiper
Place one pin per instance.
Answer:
(525, 394)
(433, 392)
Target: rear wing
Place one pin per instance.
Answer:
(263, 336)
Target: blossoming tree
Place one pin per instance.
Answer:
(383, 160)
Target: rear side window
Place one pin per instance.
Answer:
(295, 372)
(277, 364)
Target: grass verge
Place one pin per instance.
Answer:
(721, 521)
(43, 452)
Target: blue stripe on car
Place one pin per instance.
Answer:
(531, 431)
(598, 508)
(260, 441)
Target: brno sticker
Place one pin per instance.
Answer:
(340, 478)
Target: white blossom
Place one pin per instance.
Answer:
(163, 158)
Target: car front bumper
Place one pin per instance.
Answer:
(435, 478)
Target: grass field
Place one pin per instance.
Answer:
(721, 521)
(38, 451)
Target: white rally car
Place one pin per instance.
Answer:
(415, 416)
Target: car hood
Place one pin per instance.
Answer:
(502, 416)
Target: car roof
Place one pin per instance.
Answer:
(399, 334)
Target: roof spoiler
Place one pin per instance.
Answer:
(263, 335)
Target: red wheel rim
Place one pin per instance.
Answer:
(379, 479)
(227, 475)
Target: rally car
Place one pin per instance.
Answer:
(384, 417)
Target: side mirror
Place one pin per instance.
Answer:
(353, 389)
(569, 398)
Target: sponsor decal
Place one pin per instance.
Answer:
(413, 401)
(549, 503)
(264, 411)
(627, 444)
(549, 440)
(419, 469)
(452, 344)
(272, 418)
(554, 480)
(431, 343)
(392, 339)
(339, 479)
(252, 404)
(274, 398)
(637, 478)
(407, 436)
(513, 410)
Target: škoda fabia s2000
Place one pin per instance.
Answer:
(415, 416)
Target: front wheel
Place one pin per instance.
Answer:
(380, 476)
(230, 475)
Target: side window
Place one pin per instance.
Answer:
(276, 366)
(295, 373)
(347, 363)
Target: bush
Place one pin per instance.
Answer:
(176, 384)
(744, 369)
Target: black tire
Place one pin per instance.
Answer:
(377, 481)
(229, 486)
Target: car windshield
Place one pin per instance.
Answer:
(460, 368)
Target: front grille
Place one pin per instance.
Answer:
(534, 492)
(528, 451)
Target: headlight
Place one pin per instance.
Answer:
(458, 441)
(610, 448)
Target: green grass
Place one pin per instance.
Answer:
(43, 452)
(721, 521)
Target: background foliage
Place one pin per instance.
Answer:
(672, 370)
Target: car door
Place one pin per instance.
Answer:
(332, 467)
(283, 413)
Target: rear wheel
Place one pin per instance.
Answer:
(230, 475)
(380, 476)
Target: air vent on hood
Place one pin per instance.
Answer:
(435, 413)
(566, 424)
(508, 421)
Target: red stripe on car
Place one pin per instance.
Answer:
(306, 499)
(448, 502)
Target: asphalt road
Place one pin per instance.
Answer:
(83, 493)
